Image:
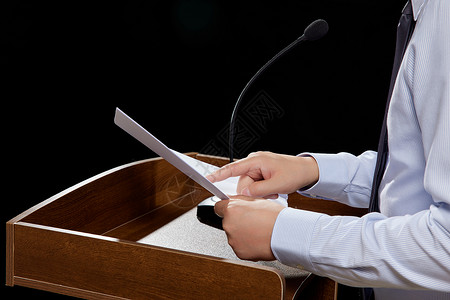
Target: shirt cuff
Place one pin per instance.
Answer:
(333, 177)
(292, 235)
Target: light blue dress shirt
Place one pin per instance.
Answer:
(404, 251)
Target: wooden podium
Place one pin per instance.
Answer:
(131, 233)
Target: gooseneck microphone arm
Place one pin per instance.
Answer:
(314, 31)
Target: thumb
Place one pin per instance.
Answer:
(220, 207)
(262, 188)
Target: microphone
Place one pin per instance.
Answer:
(314, 31)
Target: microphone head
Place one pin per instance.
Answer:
(316, 30)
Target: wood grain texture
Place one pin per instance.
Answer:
(131, 270)
(115, 197)
(9, 254)
(64, 290)
(81, 242)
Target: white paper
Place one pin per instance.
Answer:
(227, 186)
(195, 169)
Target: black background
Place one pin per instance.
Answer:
(177, 68)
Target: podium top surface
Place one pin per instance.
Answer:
(186, 233)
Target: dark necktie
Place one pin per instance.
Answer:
(404, 33)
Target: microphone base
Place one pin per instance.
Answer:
(206, 214)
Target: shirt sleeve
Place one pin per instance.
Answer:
(344, 177)
(410, 251)
(407, 252)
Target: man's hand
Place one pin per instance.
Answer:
(248, 224)
(266, 174)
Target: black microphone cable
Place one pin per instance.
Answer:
(314, 31)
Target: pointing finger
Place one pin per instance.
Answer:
(238, 168)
